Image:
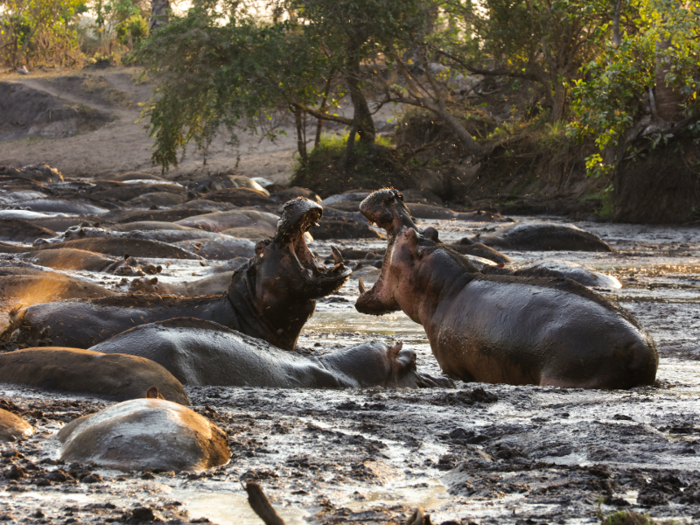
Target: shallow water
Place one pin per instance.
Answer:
(373, 454)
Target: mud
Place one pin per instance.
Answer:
(474, 454)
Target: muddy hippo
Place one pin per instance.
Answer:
(145, 434)
(115, 376)
(12, 427)
(224, 220)
(201, 353)
(270, 297)
(543, 236)
(503, 329)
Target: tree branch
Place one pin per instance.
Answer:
(488, 72)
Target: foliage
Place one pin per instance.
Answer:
(38, 31)
(545, 41)
(614, 92)
(135, 28)
(219, 67)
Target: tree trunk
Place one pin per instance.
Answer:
(362, 114)
(160, 10)
(558, 101)
(301, 136)
(668, 97)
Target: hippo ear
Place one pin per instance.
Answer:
(396, 349)
(152, 393)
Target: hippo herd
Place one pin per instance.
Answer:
(484, 321)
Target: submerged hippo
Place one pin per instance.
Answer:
(503, 329)
(201, 353)
(115, 376)
(145, 434)
(543, 236)
(13, 428)
(270, 297)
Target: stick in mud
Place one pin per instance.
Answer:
(418, 518)
(261, 505)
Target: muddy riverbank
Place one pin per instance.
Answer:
(477, 453)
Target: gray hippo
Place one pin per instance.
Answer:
(145, 434)
(270, 297)
(200, 353)
(543, 236)
(114, 376)
(13, 428)
(503, 329)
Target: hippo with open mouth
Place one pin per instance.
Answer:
(270, 297)
(503, 328)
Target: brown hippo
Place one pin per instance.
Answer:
(12, 427)
(200, 353)
(145, 434)
(543, 236)
(503, 329)
(115, 376)
(270, 297)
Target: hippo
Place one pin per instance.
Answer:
(270, 297)
(114, 376)
(503, 329)
(121, 246)
(72, 259)
(145, 434)
(213, 284)
(202, 353)
(224, 220)
(16, 230)
(13, 428)
(543, 236)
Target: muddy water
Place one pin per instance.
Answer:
(474, 454)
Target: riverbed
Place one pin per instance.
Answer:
(478, 453)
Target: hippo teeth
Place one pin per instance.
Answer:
(337, 256)
(361, 284)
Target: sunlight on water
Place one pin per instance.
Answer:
(396, 325)
(230, 509)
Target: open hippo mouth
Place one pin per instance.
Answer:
(298, 217)
(386, 209)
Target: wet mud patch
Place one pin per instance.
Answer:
(474, 454)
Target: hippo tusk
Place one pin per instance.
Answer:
(361, 284)
(396, 349)
(337, 256)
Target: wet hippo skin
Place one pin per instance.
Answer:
(270, 297)
(145, 434)
(12, 427)
(503, 329)
(201, 353)
(114, 376)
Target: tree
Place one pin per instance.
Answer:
(219, 68)
(638, 101)
(36, 31)
(545, 41)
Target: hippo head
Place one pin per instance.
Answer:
(378, 364)
(386, 209)
(285, 265)
(275, 291)
(412, 260)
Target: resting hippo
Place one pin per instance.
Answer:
(145, 434)
(200, 353)
(543, 236)
(503, 329)
(12, 427)
(115, 376)
(270, 297)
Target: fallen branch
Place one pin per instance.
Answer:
(261, 505)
